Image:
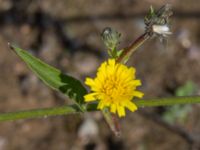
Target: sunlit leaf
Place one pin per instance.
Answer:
(53, 77)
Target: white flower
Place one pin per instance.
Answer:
(161, 30)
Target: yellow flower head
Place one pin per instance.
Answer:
(115, 87)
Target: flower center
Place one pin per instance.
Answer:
(112, 88)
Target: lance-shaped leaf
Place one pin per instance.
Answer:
(53, 77)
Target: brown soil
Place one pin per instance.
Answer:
(66, 34)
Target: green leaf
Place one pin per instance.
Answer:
(179, 113)
(152, 12)
(189, 88)
(53, 77)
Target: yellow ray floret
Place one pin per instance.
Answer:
(114, 87)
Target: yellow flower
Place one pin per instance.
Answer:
(115, 87)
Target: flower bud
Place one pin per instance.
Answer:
(111, 38)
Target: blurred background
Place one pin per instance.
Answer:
(66, 34)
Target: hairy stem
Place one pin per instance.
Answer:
(38, 113)
(167, 101)
(65, 110)
(158, 102)
(133, 47)
(112, 121)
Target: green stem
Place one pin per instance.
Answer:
(66, 110)
(167, 101)
(158, 102)
(38, 113)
